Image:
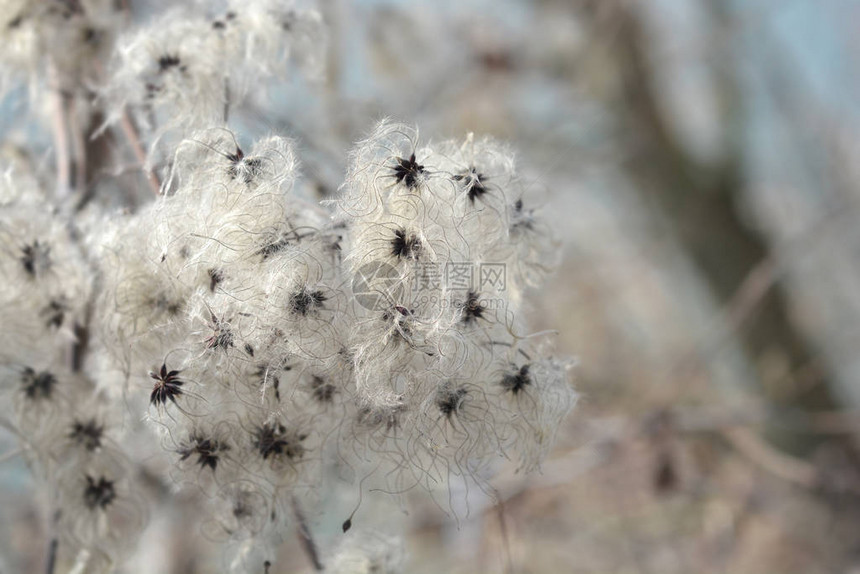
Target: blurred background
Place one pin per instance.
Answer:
(698, 159)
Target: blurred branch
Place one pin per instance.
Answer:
(51, 562)
(79, 148)
(305, 537)
(11, 454)
(701, 201)
(786, 467)
(606, 434)
(750, 293)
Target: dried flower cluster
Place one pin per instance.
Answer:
(66, 427)
(230, 305)
(444, 240)
(188, 66)
(66, 38)
(266, 339)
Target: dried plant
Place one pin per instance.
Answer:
(263, 337)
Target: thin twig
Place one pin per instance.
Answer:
(750, 293)
(79, 147)
(133, 138)
(227, 100)
(305, 536)
(11, 454)
(59, 129)
(503, 529)
(786, 467)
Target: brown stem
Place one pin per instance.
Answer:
(59, 128)
(133, 137)
(79, 147)
(503, 530)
